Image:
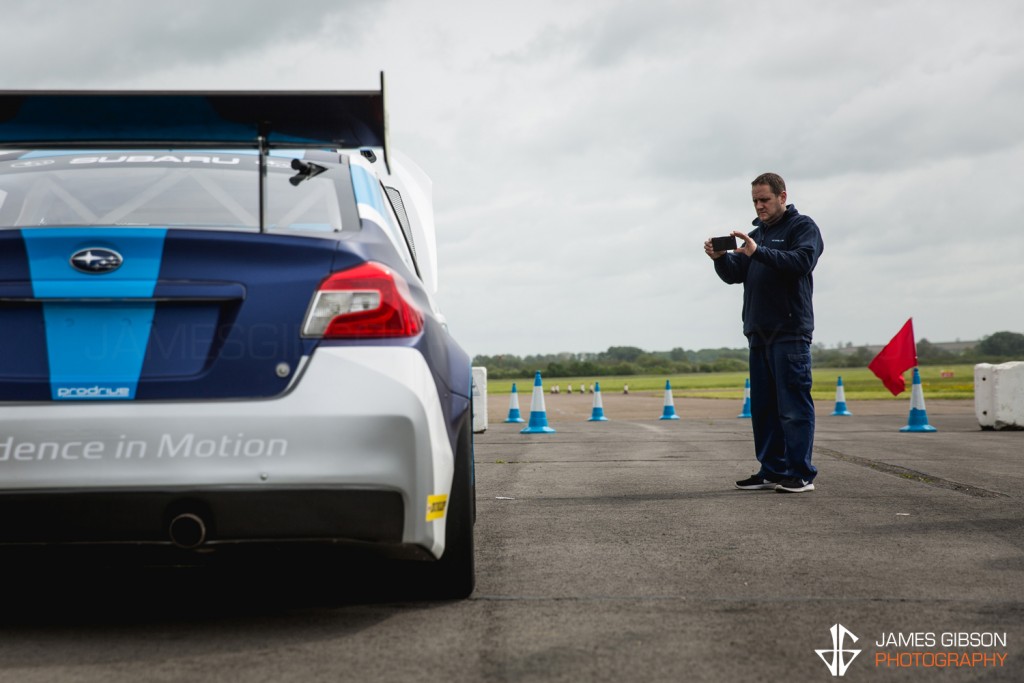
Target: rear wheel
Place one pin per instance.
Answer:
(453, 576)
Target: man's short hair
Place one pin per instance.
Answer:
(772, 180)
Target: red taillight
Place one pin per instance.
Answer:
(370, 301)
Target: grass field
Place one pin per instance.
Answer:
(859, 384)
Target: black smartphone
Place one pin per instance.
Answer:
(727, 243)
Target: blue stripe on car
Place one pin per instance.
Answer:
(95, 348)
(367, 188)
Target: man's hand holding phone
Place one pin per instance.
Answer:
(716, 246)
(748, 247)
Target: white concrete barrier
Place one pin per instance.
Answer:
(479, 400)
(983, 395)
(999, 395)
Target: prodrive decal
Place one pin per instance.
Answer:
(96, 391)
(165, 446)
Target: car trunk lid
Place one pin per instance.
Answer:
(186, 314)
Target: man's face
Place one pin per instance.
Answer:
(769, 207)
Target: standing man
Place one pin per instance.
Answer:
(774, 263)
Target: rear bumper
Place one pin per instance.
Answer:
(353, 452)
(243, 515)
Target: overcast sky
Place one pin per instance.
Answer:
(582, 151)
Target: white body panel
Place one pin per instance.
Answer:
(417, 190)
(418, 195)
(360, 417)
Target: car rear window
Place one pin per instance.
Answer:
(167, 188)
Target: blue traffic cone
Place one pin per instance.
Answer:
(538, 414)
(918, 420)
(841, 408)
(669, 411)
(597, 415)
(513, 407)
(746, 400)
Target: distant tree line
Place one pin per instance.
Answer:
(995, 348)
(617, 360)
(630, 360)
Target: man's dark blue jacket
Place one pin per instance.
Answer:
(777, 280)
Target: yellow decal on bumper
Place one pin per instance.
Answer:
(436, 506)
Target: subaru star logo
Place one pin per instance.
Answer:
(96, 260)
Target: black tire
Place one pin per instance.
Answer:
(454, 575)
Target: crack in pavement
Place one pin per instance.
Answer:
(912, 475)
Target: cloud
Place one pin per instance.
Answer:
(582, 151)
(64, 44)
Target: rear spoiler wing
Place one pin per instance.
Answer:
(262, 119)
(69, 119)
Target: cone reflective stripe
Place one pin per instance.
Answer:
(538, 414)
(669, 411)
(513, 407)
(918, 420)
(841, 408)
(597, 415)
(746, 400)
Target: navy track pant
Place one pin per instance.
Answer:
(782, 409)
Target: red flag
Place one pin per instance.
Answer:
(898, 356)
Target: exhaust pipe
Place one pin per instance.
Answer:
(187, 530)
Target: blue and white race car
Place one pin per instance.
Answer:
(219, 328)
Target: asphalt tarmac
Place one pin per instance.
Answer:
(615, 551)
(678, 576)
